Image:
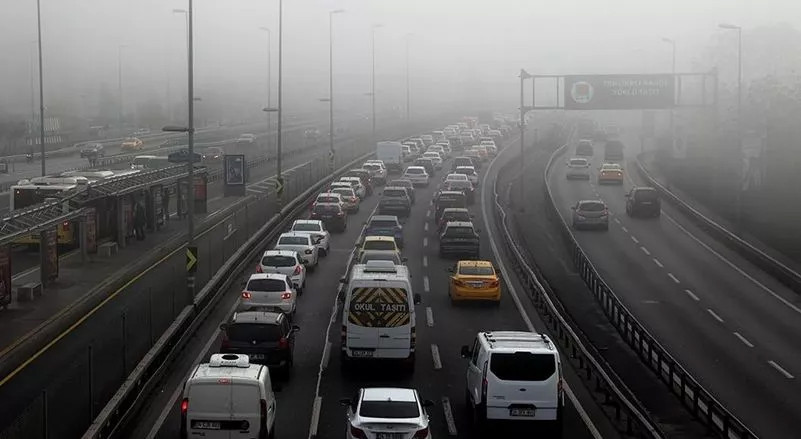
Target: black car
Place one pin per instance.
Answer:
(459, 238)
(453, 214)
(395, 201)
(266, 337)
(332, 215)
(464, 187)
(462, 161)
(448, 199)
(643, 201)
(364, 176)
(426, 163)
(406, 183)
(93, 150)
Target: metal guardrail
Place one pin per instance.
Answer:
(774, 267)
(692, 395)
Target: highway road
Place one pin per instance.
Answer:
(441, 328)
(735, 328)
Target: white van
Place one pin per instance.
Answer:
(514, 376)
(228, 397)
(378, 317)
(391, 153)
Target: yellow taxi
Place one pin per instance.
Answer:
(378, 243)
(474, 280)
(610, 173)
(132, 144)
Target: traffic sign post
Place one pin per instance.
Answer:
(191, 269)
(279, 190)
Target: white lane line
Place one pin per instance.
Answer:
(315, 417)
(617, 220)
(425, 261)
(428, 214)
(743, 339)
(636, 241)
(656, 261)
(624, 228)
(425, 227)
(780, 369)
(736, 268)
(714, 314)
(326, 354)
(674, 278)
(425, 242)
(425, 284)
(691, 294)
(446, 408)
(435, 357)
(645, 250)
(429, 317)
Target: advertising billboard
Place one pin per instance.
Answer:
(49, 256)
(619, 92)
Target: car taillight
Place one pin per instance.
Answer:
(286, 296)
(283, 343)
(297, 270)
(263, 415)
(494, 283)
(352, 199)
(341, 214)
(308, 251)
(343, 335)
(225, 342)
(605, 212)
(357, 433)
(258, 269)
(184, 406)
(66, 226)
(413, 340)
(421, 434)
(246, 295)
(184, 409)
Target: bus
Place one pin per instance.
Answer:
(27, 193)
(150, 162)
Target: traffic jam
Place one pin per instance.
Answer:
(433, 179)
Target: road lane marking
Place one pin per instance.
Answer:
(326, 354)
(780, 369)
(617, 220)
(743, 339)
(674, 278)
(428, 214)
(714, 314)
(691, 294)
(636, 241)
(315, 417)
(623, 228)
(435, 357)
(425, 261)
(425, 227)
(645, 250)
(656, 261)
(425, 284)
(446, 408)
(733, 266)
(429, 317)
(425, 242)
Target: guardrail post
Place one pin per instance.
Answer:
(90, 372)
(45, 434)
(124, 346)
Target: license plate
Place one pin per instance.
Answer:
(389, 436)
(256, 356)
(476, 284)
(205, 425)
(362, 353)
(522, 412)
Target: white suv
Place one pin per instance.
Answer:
(515, 376)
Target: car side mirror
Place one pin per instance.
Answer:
(465, 352)
(418, 299)
(342, 280)
(345, 402)
(304, 262)
(404, 260)
(295, 328)
(478, 231)
(276, 386)
(223, 326)
(572, 207)
(428, 403)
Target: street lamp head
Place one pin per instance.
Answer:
(729, 26)
(175, 129)
(179, 11)
(376, 26)
(266, 29)
(668, 40)
(269, 109)
(337, 11)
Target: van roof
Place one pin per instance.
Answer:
(363, 273)
(219, 367)
(513, 341)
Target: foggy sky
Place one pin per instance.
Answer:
(454, 45)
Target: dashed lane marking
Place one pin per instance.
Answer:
(674, 278)
(326, 354)
(715, 315)
(645, 250)
(425, 284)
(617, 220)
(315, 417)
(429, 317)
(435, 357)
(425, 242)
(425, 227)
(780, 369)
(636, 241)
(624, 228)
(425, 261)
(656, 261)
(691, 294)
(743, 339)
(428, 214)
(446, 408)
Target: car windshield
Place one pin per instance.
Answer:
(645, 195)
(522, 366)
(379, 245)
(459, 231)
(306, 227)
(278, 261)
(266, 285)
(592, 207)
(476, 270)
(456, 216)
(383, 223)
(389, 409)
(395, 192)
(294, 240)
(253, 332)
(380, 256)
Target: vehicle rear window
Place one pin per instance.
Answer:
(326, 208)
(379, 245)
(266, 285)
(389, 409)
(294, 240)
(278, 261)
(578, 162)
(253, 332)
(459, 184)
(645, 195)
(380, 256)
(414, 171)
(476, 271)
(522, 366)
(328, 199)
(450, 198)
(343, 191)
(456, 216)
(383, 223)
(465, 171)
(395, 192)
(400, 183)
(306, 227)
(372, 167)
(459, 231)
(592, 207)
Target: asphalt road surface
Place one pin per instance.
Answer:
(735, 328)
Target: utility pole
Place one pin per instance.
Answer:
(41, 87)
(408, 88)
(280, 97)
(521, 182)
(372, 81)
(331, 88)
(190, 214)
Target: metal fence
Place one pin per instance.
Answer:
(679, 381)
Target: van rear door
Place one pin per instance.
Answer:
(362, 335)
(209, 410)
(245, 410)
(522, 383)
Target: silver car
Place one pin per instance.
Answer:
(284, 262)
(417, 175)
(268, 290)
(302, 243)
(387, 412)
(590, 214)
(317, 229)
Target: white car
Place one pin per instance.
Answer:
(438, 148)
(378, 172)
(284, 262)
(417, 175)
(349, 198)
(387, 412)
(356, 182)
(578, 168)
(246, 138)
(436, 159)
(470, 172)
(492, 149)
(269, 290)
(455, 177)
(317, 229)
(302, 243)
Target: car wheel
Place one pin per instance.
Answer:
(323, 252)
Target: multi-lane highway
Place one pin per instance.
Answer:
(441, 329)
(735, 328)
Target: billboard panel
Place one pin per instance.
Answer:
(619, 92)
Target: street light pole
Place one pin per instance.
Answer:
(408, 88)
(269, 87)
(41, 87)
(190, 214)
(186, 16)
(739, 155)
(673, 71)
(331, 87)
(280, 96)
(372, 81)
(119, 88)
